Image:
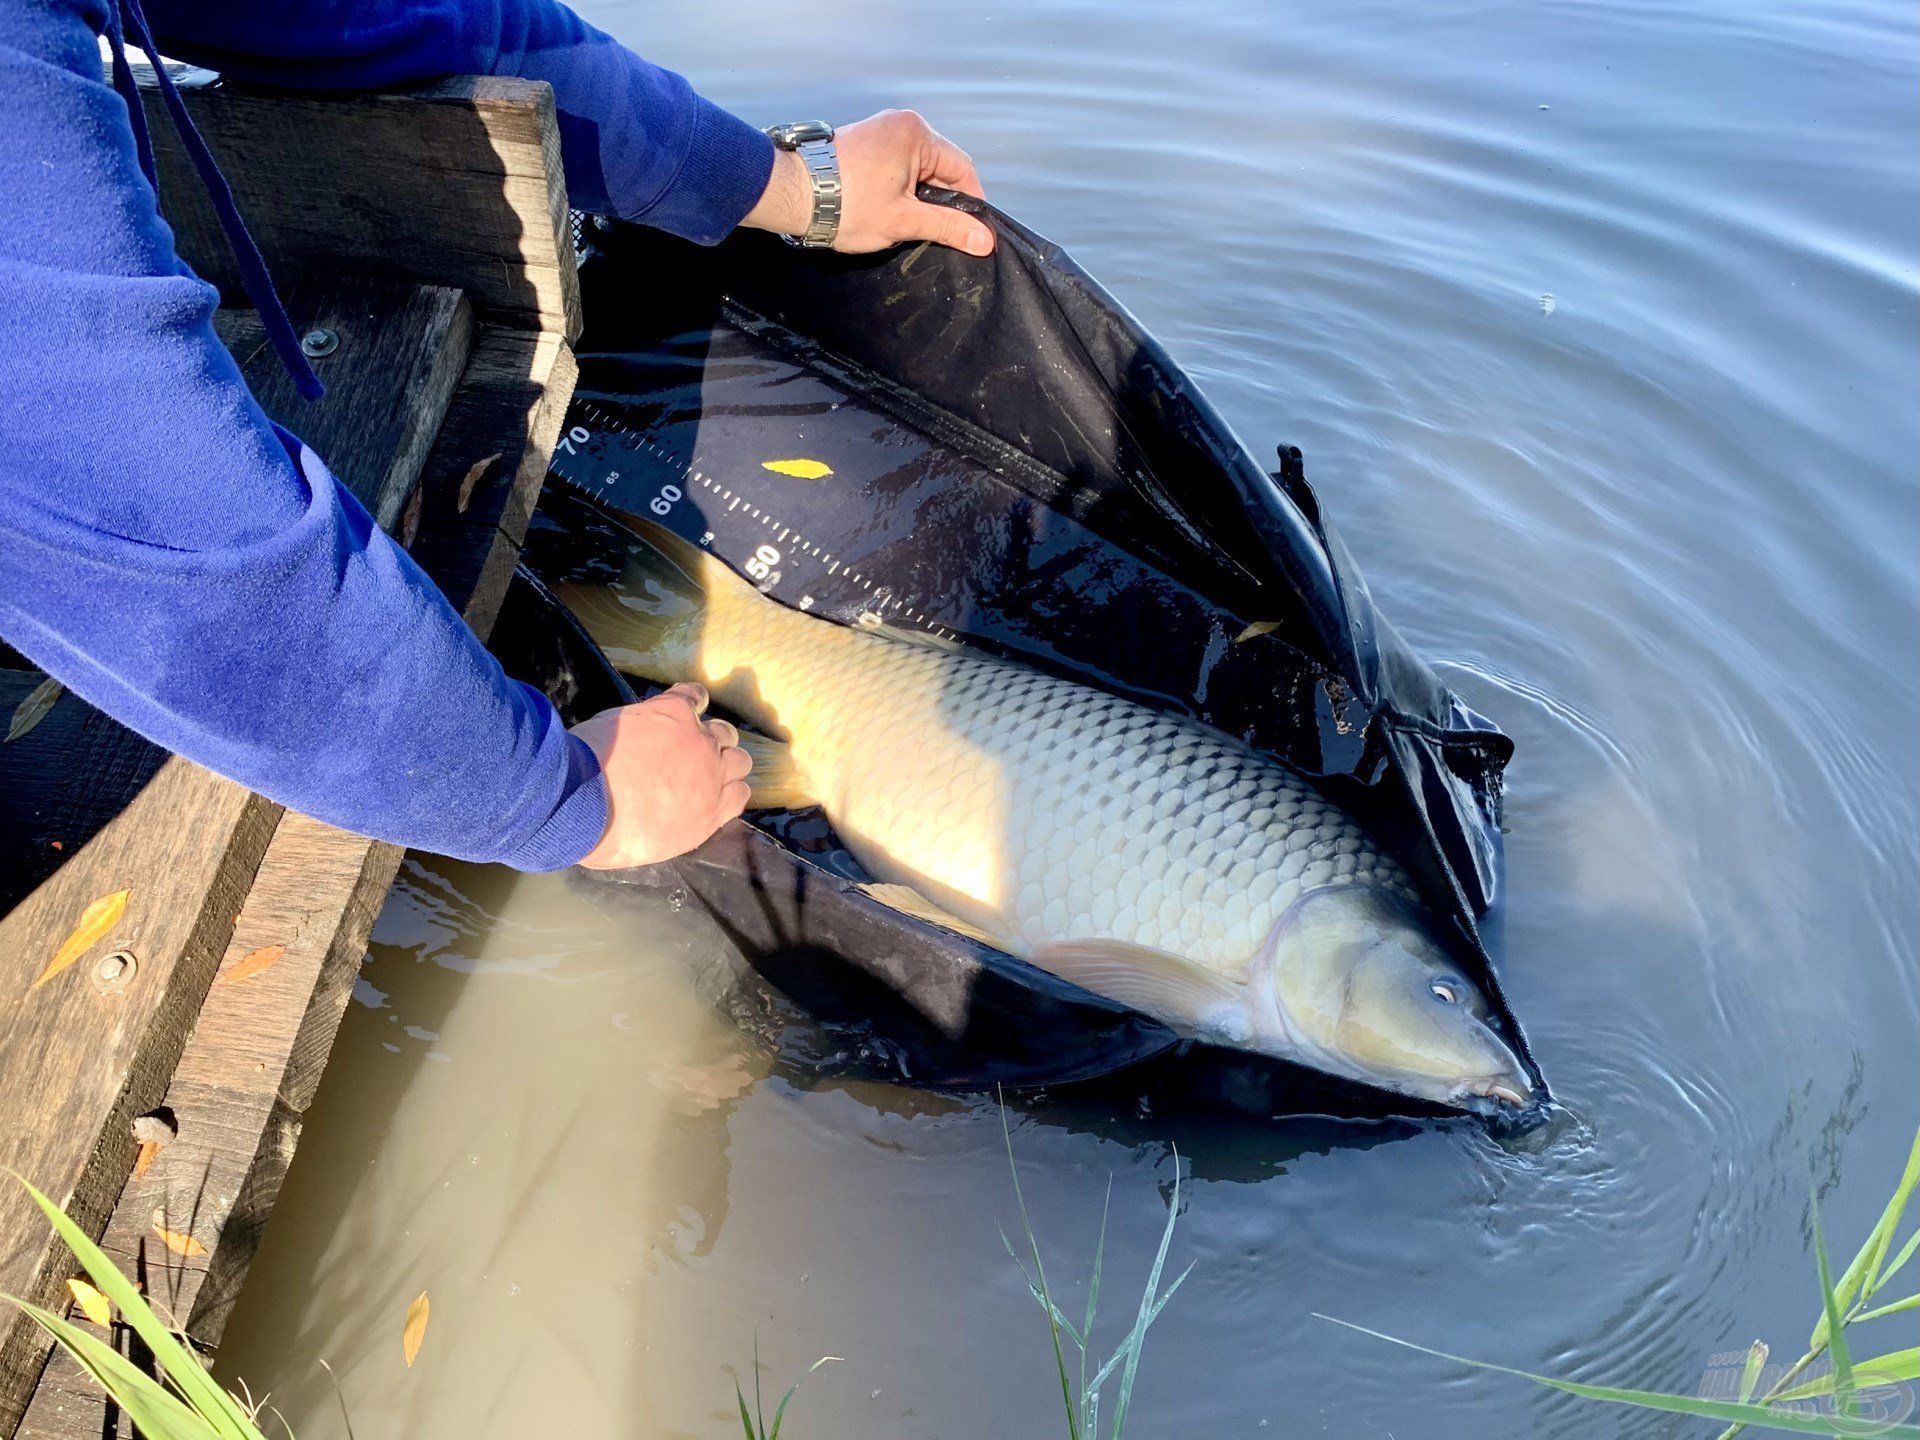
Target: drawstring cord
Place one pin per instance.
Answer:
(253, 266)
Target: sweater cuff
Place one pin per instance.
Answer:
(722, 177)
(577, 822)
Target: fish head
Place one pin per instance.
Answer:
(1362, 988)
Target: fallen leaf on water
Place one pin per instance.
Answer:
(95, 1306)
(798, 469)
(410, 517)
(250, 964)
(472, 478)
(95, 921)
(1255, 630)
(143, 1161)
(32, 710)
(178, 1241)
(416, 1330)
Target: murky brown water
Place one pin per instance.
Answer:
(1596, 322)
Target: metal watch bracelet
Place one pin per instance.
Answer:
(812, 140)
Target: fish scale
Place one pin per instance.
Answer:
(1037, 809)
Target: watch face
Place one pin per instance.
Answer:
(799, 132)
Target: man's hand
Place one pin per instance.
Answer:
(882, 159)
(672, 778)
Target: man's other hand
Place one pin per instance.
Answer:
(882, 159)
(672, 777)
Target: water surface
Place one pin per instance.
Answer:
(1596, 322)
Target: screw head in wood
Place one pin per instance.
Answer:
(115, 970)
(319, 342)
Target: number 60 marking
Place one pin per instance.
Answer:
(663, 502)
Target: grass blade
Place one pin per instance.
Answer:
(746, 1420)
(148, 1403)
(1890, 1369)
(1136, 1342)
(183, 1367)
(1046, 1294)
(1912, 1302)
(780, 1410)
(1895, 1265)
(1730, 1410)
(1864, 1270)
(1756, 1364)
(1836, 1327)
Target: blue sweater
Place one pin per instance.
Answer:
(189, 567)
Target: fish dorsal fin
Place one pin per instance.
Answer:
(777, 782)
(909, 901)
(1152, 981)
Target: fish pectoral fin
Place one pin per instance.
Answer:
(909, 901)
(1154, 982)
(776, 781)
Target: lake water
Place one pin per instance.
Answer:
(1596, 322)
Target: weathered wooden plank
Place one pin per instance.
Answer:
(81, 1055)
(399, 351)
(238, 1126)
(79, 1058)
(455, 184)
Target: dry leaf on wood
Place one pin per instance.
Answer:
(143, 1161)
(410, 518)
(799, 469)
(32, 710)
(95, 1306)
(472, 478)
(416, 1328)
(95, 921)
(250, 964)
(178, 1241)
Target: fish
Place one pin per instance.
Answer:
(1135, 852)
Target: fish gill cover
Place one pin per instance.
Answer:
(992, 450)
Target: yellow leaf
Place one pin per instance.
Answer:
(95, 921)
(178, 1241)
(1256, 629)
(416, 1330)
(32, 710)
(471, 479)
(144, 1159)
(250, 964)
(95, 1306)
(798, 469)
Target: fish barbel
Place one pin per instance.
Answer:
(1140, 854)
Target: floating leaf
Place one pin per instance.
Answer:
(178, 1241)
(250, 964)
(32, 710)
(1256, 630)
(95, 921)
(416, 1329)
(95, 1306)
(472, 478)
(798, 469)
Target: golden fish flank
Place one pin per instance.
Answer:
(1140, 854)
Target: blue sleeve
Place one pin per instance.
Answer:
(638, 143)
(193, 570)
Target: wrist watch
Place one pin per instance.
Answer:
(813, 141)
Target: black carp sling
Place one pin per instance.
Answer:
(990, 451)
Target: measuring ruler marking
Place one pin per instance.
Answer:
(760, 567)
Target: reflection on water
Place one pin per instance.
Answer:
(1662, 529)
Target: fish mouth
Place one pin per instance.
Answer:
(1506, 1094)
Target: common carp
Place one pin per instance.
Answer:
(1139, 854)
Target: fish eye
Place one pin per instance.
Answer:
(1447, 992)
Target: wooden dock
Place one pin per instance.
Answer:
(427, 235)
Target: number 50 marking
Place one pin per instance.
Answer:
(760, 566)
